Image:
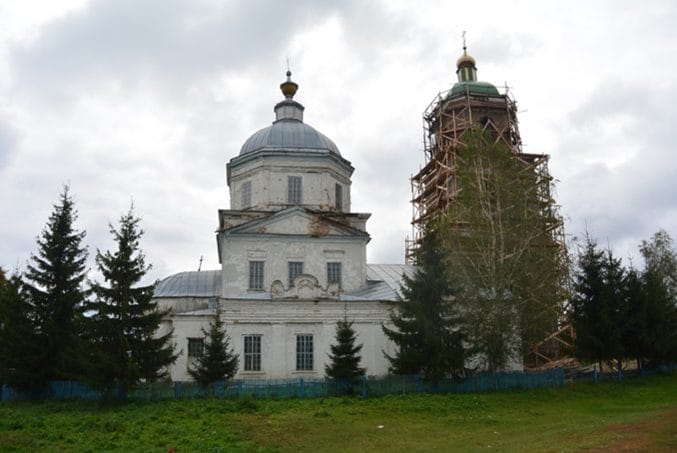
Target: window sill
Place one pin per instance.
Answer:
(252, 373)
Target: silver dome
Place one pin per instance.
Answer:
(291, 135)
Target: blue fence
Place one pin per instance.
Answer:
(596, 376)
(308, 388)
(298, 388)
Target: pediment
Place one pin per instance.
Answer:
(297, 221)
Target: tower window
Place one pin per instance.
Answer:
(256, 275)
(304, 352)
(339, 197)
(334, 273)
(294, 194)
(246, 200)
(252, 352)
(295, 269)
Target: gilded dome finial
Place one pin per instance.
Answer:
(465, 65)
(289, 87)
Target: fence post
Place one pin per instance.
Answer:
(302, 390)
(595, 375)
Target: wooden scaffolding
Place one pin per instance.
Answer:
(445, 121)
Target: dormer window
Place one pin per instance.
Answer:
(294, 190)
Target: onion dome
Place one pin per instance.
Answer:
(288, 132)
(466, 71)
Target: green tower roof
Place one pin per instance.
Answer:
(473, 87)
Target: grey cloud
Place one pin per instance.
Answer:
(8, 142)
(171, 38)
(627, 202)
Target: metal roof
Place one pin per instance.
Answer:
(289, 134)
(383, 283)
(474, 88)
(190, 284)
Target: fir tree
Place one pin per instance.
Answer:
(426, 323)
(218, 362)
(637, 329)
(599, 305)
(19, 350)
(54, 287)
(125, 320)
(659, 339)
(345, 356)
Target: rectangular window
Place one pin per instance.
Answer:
(304, 352)
(196, 347)
(256, 275)
(252, 352)
(295, 269)
(246, 201)
(334, 273)
(294, 190)
(339, 197)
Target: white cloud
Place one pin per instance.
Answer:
(149, 99)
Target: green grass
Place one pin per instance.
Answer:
(641, 413)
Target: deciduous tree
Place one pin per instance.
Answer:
(499, 237)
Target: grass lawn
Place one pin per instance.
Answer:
(639, 414)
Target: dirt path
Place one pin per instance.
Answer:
(656, 434)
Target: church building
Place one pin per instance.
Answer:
(293, 260)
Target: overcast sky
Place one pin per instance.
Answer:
(146, 100)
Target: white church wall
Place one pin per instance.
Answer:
(277, 251)
(278, 323)
(185, 326)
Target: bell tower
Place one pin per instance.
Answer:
(469, 103)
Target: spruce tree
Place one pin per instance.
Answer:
(614, 305)
(345, 356)
(125, 320)
(637, 329)
(55, 292)
(218, 361)
(599, 306)
(19, 350)
(426, 324)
